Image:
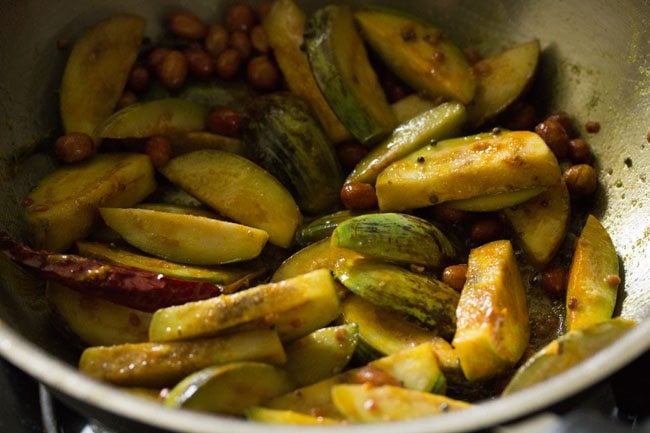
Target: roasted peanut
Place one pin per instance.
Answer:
(581, 179)
(187, 25)
(139, 79)
(159, 150)
(224, 121)
(216, 40)
(555, 137)
(173, 70)
(455, 276)
(240, 17)
(259, 41)
(486, 229)
(156, 58)
(358, 195)
(554, 280)
(239, 40)
(579, 151)
(199, 62)
(565, 120)
(262, 73)
(74, 147)
(228, 63)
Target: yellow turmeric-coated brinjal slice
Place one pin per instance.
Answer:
(593, 278)
(492, 316)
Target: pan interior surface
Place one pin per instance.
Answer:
(595, 65)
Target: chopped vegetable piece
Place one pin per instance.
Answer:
(160, 117)
(344, 75)
(593, 278)
(395, 237)
(425, 299)
(364, 403)
(492, 315)
(283, 137)
(239, 189)
(470, 167)
(195, 240)
(97, 70)
(416, 368)
(311, 296)
(321, 354)
(285, 27)
(387, 333)
(566, 351)
(95, 321)
(164, 364)
(540, 224)
(229, 389)
(418, 53)
(501, 80)
(441, 122)
(62, 210)
(230, 276)
(127, 286)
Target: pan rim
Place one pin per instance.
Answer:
(63, 378)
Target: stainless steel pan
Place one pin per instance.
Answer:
(596, 66)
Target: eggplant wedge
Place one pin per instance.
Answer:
(566, 351)
(395, 237)
(219, 275)
(97, 71)
(194, 240)
(283, 137)
(501, 81)
(285, 27)
(229, 389)
(540, 224)
(291, 307)
(593, 280)
(239, 189)
(344, 75)
(438, 123)
(95, 321)
(425, 299)
(492, 316)
(164, 364)
(418, 53)
(489, 164)
(320, 354)
(161, 117)
(62, 209)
